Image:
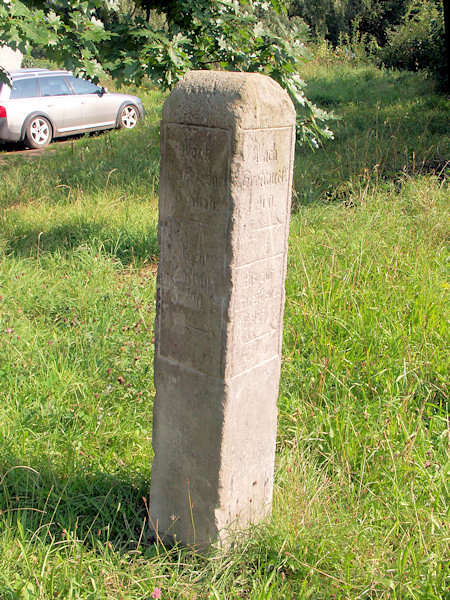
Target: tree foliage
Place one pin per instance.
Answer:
(332, 18)
(96, 38)
(418, 42)
(408, 34)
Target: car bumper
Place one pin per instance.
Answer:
(6, 135)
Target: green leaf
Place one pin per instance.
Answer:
(233, 35)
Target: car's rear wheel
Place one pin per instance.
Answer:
(38, 133)
(128, 117)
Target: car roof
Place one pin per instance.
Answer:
(26, 73)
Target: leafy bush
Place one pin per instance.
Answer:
(418, 43)
(36, 61)
(358, 45)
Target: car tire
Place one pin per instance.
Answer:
(38, 133)
(128, 117)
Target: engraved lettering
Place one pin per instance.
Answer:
(263, 153)
(190, 278)
(187, 299)
(261, 203)
(189, 176)
(179, 323)
(201, 254)
(258, 298)
(202, 203)
(191, 150)
(277, 177)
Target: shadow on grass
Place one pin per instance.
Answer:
(337, 84)
(118, 164)
(84, 507)
(113, 169)
(390, 126)
(118, 161)
(127, 246)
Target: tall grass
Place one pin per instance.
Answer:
(389, 125)
(361, 497)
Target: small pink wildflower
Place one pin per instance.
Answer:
(157, 593)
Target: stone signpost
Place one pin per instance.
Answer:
(227, 147)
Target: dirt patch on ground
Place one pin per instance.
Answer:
(10, 150)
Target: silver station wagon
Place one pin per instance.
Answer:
(40, 105)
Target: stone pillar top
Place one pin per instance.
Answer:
(228, 100)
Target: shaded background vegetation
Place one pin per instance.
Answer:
(403, 34)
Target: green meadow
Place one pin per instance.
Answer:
(361, 501)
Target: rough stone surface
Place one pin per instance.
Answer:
(227, 146)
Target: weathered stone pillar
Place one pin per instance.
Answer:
(227, 147)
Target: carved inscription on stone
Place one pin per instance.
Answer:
(194, 212)
(257, 313)
(263, 183)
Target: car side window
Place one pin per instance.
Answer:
(54, 86)
(82, 86)
(24, 88)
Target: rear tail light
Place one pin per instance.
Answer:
(2, 112)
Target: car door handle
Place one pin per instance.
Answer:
(50, 105)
